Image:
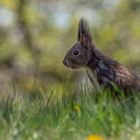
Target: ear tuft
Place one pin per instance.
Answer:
(83, 32)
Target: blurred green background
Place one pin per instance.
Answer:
(36, 34)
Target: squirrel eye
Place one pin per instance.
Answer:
(76, 52)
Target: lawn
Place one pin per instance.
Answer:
(69, 113)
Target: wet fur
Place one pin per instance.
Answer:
(109, 73)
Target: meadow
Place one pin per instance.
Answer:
(41, 99)
(76, 114)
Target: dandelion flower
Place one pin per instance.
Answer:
(94, 137)
(77, 108)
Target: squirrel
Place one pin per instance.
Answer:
(108, 72)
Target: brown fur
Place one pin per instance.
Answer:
(109, 73)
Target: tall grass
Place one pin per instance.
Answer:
(63, 114)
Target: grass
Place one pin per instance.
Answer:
(64, 114)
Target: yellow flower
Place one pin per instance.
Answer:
(94, 137)
(77, 108)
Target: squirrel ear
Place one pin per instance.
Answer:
(84, 35)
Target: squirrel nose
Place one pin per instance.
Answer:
(65, 62)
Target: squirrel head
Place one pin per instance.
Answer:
(81, 52)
